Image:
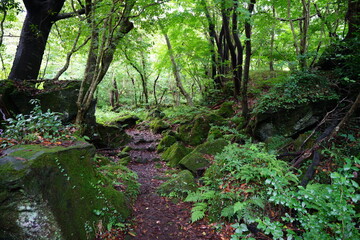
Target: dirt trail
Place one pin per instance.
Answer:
(157, 217)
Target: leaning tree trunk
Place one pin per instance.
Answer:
(40, 17)
(176, 71)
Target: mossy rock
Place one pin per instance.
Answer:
(212, 147)
(226, 110)
(175, 153)
(126, 121)
(165, 142)
(58, 188)
(182, 183)
(195, 162)
(157, 126)
(197, 131)
(109, 137)
(214, 133)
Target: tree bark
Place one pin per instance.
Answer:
(102, 48)
(248, 28)
(176, 70)
(353, 18)
(40, 17)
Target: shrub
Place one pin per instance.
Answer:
(37, 126)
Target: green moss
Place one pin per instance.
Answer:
(197, 131)
(66, 179)
(179, 185)
(175, 153)
(158, 125)
(194, 162)
(165, 142)
(226, 110)
(212, 147)
(127, 149)
(125, 160)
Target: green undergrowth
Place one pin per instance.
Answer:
(298, 88)
(248, 186)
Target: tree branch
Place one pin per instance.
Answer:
(69, 15)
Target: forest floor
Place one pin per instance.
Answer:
(155, 216)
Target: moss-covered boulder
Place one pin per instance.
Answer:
(226, 110)
(197, 131)
(53, 193)
(158, 125)
(195, 162)
(212, 147)
(165, 142)
(175, 153)
(126, 121)
(182, 183)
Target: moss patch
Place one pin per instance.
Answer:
(194, 162)
(182, 183)
(212, 147)
(226, 110)
(197, 131)
(64, 179)
(158, 125)
(175, 153)
(165, 142)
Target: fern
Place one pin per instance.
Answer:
(198, 211)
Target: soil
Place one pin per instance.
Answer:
(154, 216)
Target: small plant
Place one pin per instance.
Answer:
(37, 127)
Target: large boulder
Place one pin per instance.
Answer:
(53, 193)
(290, 122)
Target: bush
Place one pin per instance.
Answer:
(38, 126)
(232, 185)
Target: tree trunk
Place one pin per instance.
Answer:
(40, 17)
(213, 37)
(102, 48)
(176, 71)
(353, 18)
(304, 27)
(248, 27)
(272, 40)
(232, 49)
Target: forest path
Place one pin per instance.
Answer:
(157, 217)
